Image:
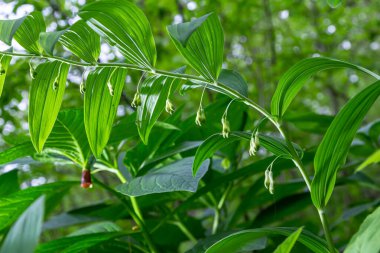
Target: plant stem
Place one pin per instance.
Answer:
(325, 226)
(139, 219)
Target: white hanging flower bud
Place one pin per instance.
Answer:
(32, 72)
(257, 140)
(82, 89)
(169, 108)
(201, 117)
(271, 182)
(268, 182)
(254, 143)
(110, 88)
(136, 100)
(226, 126)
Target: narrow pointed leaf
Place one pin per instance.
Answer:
(154, 92)
(24, 234)
(366, 239)
(334, 3)
(233, 243)
(4, 64)
(48, 40)
(15, 152)
(124, 24)
(333, 150)
(293, 80)
(216, 142)
(27, 34)
(287, 245)
(100, 107)
(176, 176)
(374, 158)
(201, 42)
(45, 98)
(233, 80)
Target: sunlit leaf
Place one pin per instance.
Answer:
(366, 239)
(201, 42)
(154, 92)
(100, 106)
(24, 234)
(333, 150)
(8, 28)
(45, 98)
(287, 245)
(235, 242)
(48, 40)
(124, 24)
(374, 158)
(176, 176)
(294, 79)
(334, 3)
(100, 227)
(4, 64)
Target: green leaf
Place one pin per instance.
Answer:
(293, 80)
(24, 234)
(287, 245)
(27, 34)
(82, 41)
(154, 92)
(333, 150)
(68, 137)
(236, 241)
(100, 227)
(216, 142)
(100, 107)
(4, 64)
(45, 98)
(334, 3)
(15, 152)
(77, 244)
(124, 24)
(233, 80)
(366, 239)
(13, 205)
(176, 176)
(48, 40)
(9, 183)
(374, 158)
(201, 42)
(8, 28)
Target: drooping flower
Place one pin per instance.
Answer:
(201, 117)
(226, 127)
(169, 108)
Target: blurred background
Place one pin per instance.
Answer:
(263, 39)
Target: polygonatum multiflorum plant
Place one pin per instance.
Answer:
(83, 136)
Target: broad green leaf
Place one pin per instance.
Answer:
(374, 158)
(216, 142)
(100, 106)
(45, 98)
(367, 238)
(154, 92)
(4, 64)
(68, 137)
(48, 40)
(82, 41)
(124, 24)
(287, 245)
(13, 205)
(8, 29)
(100, 227)
(293, 80)
(334, 3)
(77, 244)
(27, 34)
(236, 241)
(233, 80)
(201, 42)
(333, 150)
(15, 152)
(176, 176)
(24, 234)
(9, 183)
